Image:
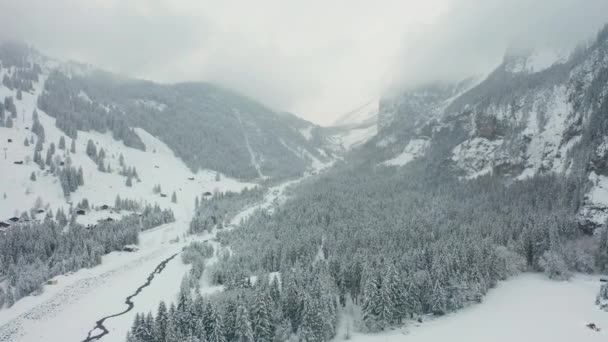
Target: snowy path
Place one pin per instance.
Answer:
(526, 308)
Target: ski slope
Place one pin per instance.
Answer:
(529, 307)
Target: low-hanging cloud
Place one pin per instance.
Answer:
(316, 58)
(472, 37)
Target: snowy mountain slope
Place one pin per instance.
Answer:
(126, 147)
(405, 119)
(156, 165)
(536, 113)
(196, 120)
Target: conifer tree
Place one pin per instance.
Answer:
(261, 318)
(161, 322)
(243, 331)
(216, 333)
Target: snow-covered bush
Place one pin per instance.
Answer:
(510, 262)
(579, 254)
(554, 266)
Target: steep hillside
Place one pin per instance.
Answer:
(95, 152)
(527, 117)
(206, 126)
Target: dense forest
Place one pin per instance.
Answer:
(221, 208)
(34, 251)
(445, 243)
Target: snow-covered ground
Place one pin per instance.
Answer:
(68, 310)
(526, 308)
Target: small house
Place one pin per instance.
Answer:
(14, 219)
(10, 140)
(4, 225)
(51, 282)
(163, 195)
(62, 163)
(105, 207)
(80, 212)
(18, 162)
(191, 178)
(130, 248)
(109, 219)
(207, 194)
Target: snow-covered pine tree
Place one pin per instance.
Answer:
(371, 303)
(10, 296)
(49, 157)
(312, 326)
(161, 322)
(243, 331)
(438, 304)
(80, 177)
(229, 320)
(37, 127)
(261, 317)
(216, 333)
(91, 150)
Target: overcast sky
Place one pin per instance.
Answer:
(316, 58)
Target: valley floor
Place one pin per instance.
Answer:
(68, 310)
(526, 308)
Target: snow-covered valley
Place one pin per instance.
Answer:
(528, 307)
(148, 212)
(75, 298)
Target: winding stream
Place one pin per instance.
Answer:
(99, 325)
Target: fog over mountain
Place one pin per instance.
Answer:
(303, 171)
(316, 59)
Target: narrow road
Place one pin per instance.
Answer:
(99, 325)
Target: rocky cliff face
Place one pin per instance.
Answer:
(525, 118)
